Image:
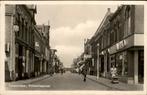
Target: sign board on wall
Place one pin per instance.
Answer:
(121, 45)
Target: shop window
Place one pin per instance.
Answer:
(112, 60)
(16, 56)
(125, 64)
(108, 64)
(121, 64)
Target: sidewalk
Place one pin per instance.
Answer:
(28, 81)
(119, 86)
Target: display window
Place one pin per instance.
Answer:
(121, 63)
(112, 60)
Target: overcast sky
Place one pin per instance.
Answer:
(70, 24)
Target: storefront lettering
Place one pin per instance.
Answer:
(121, 45)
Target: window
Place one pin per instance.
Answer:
(127, 21)
(20, 25)
(112, 60)
(22, 36)
(108, 64)
(100, 41)
(122, 64)
(28, 33)
(112, 37)
(108, 38)
(26, 30)
(30, 36)
(121, 31)
(115, 34)
(118, 30)
(119, 63)
(125, 64)
(104, 39)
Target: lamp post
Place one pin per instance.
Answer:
(97, 61)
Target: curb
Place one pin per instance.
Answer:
(43, 78)
(30, 81)
(113, 86)
(104, 84)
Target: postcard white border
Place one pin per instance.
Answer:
(85, 92)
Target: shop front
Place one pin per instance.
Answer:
(121, 63)
(129, 61)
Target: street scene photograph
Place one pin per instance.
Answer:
(69, 47)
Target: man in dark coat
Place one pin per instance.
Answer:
(84, 72)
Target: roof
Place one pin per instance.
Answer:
(104, 22)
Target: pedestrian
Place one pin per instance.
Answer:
(79, 71)
(113, 74)
(84, 72)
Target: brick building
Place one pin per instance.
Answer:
(45, 48)
(119, 41)
(27, 44)
(19, 41)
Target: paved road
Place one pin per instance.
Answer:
(67, 81)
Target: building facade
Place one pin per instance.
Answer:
(119, 41)
(38, 52)
(27, 45)
(19, 37)
(45, 48)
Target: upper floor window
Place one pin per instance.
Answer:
(17, 22)
(127, 26)
(112, 37)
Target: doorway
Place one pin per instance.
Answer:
(141, 66)
(20, 60)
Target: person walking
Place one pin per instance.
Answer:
(114, 79)
(84, 72)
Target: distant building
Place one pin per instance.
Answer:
(38, 52)
(45, 48)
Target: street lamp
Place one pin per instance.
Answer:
(97, 61)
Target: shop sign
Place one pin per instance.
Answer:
(87, 56)
(121, 45)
